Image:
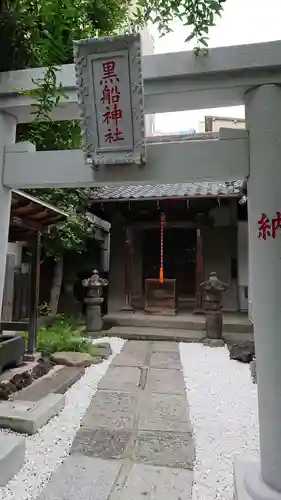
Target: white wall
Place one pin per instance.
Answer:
(243, 260)
(148, 48)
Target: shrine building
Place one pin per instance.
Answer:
(166, 239)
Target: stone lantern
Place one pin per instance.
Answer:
(212, 303)
(93, 301)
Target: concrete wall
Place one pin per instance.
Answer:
(148, 48)
(116, 288)
(243, 264)
(137, 282)
(219, 247)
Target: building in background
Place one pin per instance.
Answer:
(200, 236)
(148, 48)
(176, 133)
(214, 123)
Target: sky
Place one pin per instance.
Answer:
(243, 21)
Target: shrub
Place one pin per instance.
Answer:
(64, 335)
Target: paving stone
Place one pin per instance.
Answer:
(136, 346)
(102, 443)
(130, 359)
(161, 483)
(166, 449)
(114, 410)
(163, 346)
(12, 456)
(134, 353)
(57, 382)
(165, 381)
(82, 477)
(121, 378)
(168, 360)
(165, 412)
(28, 417)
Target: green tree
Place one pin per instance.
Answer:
(43, 32)
(40, 33)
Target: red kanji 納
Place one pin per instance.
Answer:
(276, 224)
(264, 227)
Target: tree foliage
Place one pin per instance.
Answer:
(40, 32)
(74, 233)
(50, 28)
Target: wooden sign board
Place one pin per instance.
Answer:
(110, 95)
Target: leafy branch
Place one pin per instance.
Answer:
(55, 44)
(40, 33)
(196, 15)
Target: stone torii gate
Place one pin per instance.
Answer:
(249, 75)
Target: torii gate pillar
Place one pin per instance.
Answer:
(262, 481)
(7, 138)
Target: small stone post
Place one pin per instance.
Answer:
(212, 303)
(93, 301)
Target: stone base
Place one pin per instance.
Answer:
(248, 484)
(12, 456)
(213, 342)
(214, 326)
(28, 417)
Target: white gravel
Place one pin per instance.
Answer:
(46, 450)
(223, 408)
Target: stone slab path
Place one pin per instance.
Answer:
(135, 441)
(150, 333)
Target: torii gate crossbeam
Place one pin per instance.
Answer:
(248, 75)
(172, 82)
(223, 157)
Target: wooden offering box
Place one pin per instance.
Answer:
(160, 298)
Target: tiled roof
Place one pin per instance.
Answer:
(185, 190)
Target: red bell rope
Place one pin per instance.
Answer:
(161, 272)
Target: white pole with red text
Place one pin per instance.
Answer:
(263, 116)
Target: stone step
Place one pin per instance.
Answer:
(148, 333)
(12, 456)
(231, 325)
(28, 417)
